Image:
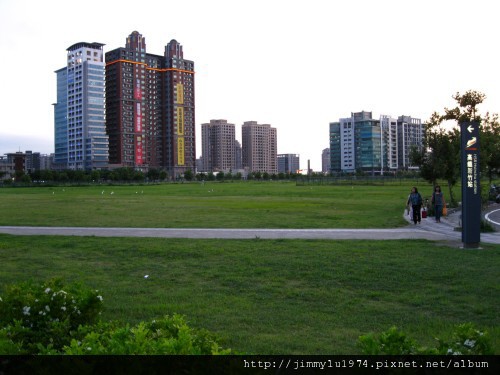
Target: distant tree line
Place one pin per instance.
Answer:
(130, 175)
(95, 176)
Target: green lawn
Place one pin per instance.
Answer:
(260, 296)
(275, 296)
(209, 205)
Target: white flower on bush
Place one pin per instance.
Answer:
(469, 343)
(26, 310)
(63, 308)
(47, 308)
(100, 298)
(47, 290)
(89, 348)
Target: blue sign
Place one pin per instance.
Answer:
(471, 192)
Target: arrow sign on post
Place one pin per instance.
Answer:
(471, 192)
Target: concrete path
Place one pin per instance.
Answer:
(343, 234)
(448, 225)
(428, 229)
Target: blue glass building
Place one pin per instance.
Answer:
(81, 141)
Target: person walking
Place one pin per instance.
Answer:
(438, 203)
(415, 201)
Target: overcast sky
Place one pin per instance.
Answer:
(297, 65)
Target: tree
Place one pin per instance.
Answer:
(490, 146)
(188, 175)
(220, 176)
(440, 156)
(489, 128)
(95, 175)
(466, 110)
(153, 174)
(163, 175)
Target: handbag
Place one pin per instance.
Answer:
(445, 210)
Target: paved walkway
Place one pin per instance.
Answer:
(428, 229)
(448, 225)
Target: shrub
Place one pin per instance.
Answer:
(466, 339)
(169, 335)
(390, 342)
(47, 314)
(53, 318)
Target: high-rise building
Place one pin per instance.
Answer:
(80, 136)
(237, 156)
(60, 120)
(368, 142)
(259, 147)
(325, 160)
(32, 161)
(362, 143)
(150, 107)
(218, 146)
(288, 163)
(410, 134)
(389, 143)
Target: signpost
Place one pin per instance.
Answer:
(471, 192)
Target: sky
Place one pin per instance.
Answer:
(296, 65)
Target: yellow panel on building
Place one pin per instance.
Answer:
(180, 93)
(180, 151)
(180, 120)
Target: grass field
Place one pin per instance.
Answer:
(275, 296)
(260, 296)
(209, 205)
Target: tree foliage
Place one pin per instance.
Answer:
(440, 156)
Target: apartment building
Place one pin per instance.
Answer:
(150, 107)
(259, 147)
(218, 146)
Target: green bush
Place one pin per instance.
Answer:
(169, 335)
(53, 318)
(466, 340)
(46, 314)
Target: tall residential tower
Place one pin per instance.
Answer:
(150, 107)
(218, 146)
(259, 147)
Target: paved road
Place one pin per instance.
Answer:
(428, 229)
(493, 216)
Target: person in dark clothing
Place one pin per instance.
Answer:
(415, 201)
(438, 202)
